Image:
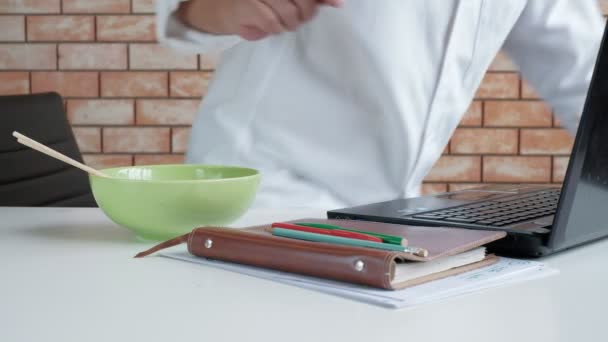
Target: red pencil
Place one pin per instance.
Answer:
(340, 233)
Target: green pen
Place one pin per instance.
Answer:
(395, 240)
(299, 235)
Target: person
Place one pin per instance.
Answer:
(346, 103)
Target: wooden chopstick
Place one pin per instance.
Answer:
(22, 139)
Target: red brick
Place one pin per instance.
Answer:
(499, 86)
(13, 83)
(180, 137)
(433, 188)
(463, 186)
(166, 112)
(158, 159)
(517, 169)
(456, 169)
(546, 141)
(70, 84)
(60, 28)
(12, 28)
(97, 6)
(527, 92)
(189, 83)
(484, 140)
(604, 6)
(517, 114)
(143, 6)
(93, 56)
(88, 138)
(134, 84)
(136, 139)
(101, 112)
(560, 165)
(502, 62)
(209, 60)
(556, 122)
(126, 28)
(30, 6)
(28, 56)
(156, 57)
(473, 115)
(103, 161)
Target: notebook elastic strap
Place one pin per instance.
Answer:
(163, 245)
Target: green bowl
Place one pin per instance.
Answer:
(160, 202)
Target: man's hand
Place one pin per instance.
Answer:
(250, 19)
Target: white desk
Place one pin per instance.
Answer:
(68, 275)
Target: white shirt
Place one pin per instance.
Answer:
(357, 105)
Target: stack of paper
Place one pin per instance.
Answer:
(505, 272)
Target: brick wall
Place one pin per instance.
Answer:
(132, 102)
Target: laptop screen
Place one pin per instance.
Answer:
(583, 209)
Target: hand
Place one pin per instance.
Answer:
(251, 19)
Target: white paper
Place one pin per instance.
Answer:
(505, 272)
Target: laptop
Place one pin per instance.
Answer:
(539, 220)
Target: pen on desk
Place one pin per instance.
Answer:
(300, 235)
(341, 233)
(395, 240)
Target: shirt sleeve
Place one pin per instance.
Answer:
(172, 33)
(555, 44)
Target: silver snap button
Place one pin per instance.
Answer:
(208, 243)
(359, 265)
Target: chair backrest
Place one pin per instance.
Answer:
(28, 177)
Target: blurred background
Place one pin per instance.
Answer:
(131, 102)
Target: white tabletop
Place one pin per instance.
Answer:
(69, 275)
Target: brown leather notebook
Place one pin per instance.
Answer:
(450, 251)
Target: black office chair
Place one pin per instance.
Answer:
(28, 177)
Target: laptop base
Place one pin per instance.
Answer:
(518, 243)
(513, 245)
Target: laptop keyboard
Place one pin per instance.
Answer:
(499, 212)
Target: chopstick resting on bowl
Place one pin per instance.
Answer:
(33, 144)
